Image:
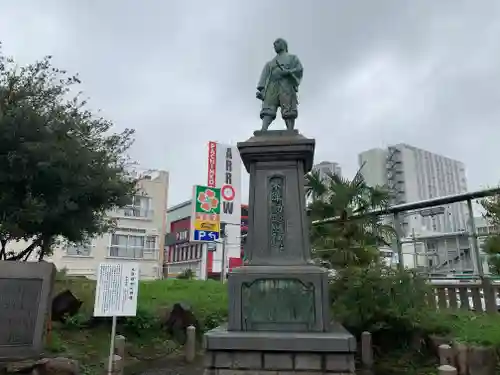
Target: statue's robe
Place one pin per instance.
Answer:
(279, 91)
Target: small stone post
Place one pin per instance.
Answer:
(366, 349)
(190, 346)
(482, 360)
(117, 365)
(447, 370)
(120, 346)
(446, 355)
(461, 361)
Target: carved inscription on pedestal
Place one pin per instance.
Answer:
(278, 304)
(19, 304)
(277, 226)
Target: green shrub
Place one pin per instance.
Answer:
(142, 323)
(75, 322)
(187, 274)
(472, 328)
(389, 303)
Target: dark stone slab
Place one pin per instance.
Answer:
(279, 298)
(338, 340)
(278, 232)
(25, 296)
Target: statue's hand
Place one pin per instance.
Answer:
(283, 72)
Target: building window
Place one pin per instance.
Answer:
(150, 243)
(79, 250)
(126, 246)
(139, 206)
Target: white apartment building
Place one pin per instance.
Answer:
(411, 175)
(138, 237)
(326, 167)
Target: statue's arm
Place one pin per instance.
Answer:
(296, 69)
(263, 77)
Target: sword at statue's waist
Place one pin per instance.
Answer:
(294, 77)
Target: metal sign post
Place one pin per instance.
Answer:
(116, 295)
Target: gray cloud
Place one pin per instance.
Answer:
(184, 72)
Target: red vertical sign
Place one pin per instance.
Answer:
(211, 176)
(212, 163)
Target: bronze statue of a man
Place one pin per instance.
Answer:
(278, 86)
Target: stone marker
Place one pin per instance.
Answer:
(446, 355)
(25, 296)
(447, 370)
(278, 317)
(190, 346)
(366, 349)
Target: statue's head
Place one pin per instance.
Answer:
(280, 45)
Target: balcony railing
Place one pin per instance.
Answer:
(132, 253)
(135, 212)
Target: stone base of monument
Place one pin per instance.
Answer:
(278, 318)
(279, 298)
(273, 353)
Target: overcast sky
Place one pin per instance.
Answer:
(184, 72)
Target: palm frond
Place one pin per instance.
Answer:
(355, 237)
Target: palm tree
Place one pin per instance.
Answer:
(355, 238)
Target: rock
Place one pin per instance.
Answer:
(63, 305)
(447, 370)
(57, 366)
(45, 366)
(22, 366)
(178, 320)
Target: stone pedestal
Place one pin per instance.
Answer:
(279, 307)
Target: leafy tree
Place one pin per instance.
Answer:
(355, 238)
(61, 167)
(491, 245)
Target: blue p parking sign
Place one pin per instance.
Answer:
(205, 235)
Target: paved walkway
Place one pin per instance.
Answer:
(175, 366)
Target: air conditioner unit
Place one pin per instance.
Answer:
(152, 232)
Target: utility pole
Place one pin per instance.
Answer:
(224, 243)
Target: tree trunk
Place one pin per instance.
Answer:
(3, 252)
(44, 247)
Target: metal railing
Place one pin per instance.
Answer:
(436, 253)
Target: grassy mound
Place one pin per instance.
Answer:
(145, 338)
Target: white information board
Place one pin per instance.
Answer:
(116, 290)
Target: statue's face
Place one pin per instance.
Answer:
(279, 46)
